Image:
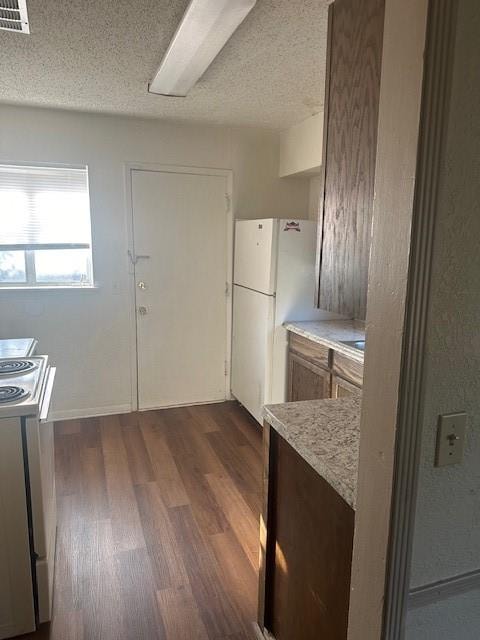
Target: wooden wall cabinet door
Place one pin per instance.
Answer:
(352, 92)
(307, 381)
(306, 549)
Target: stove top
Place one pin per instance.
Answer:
(10, 367)
(22, 383)
(12, 393)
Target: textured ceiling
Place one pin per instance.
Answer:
(99, 56)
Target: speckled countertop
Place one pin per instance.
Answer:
(326, 434)
(331, 333)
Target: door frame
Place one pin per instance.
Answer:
(399, 129)
(436, 98)
(168, 168)
(415, 92)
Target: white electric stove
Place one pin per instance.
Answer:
(22, 385)
(17, 347)
(27, 494)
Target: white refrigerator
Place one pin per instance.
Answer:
(274, 281)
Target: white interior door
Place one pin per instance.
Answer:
(180, 221)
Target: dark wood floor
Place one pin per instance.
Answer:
(158, 526)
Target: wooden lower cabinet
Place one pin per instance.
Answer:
(343, 388)
(307, 381)
(316, 372)
(306, 549)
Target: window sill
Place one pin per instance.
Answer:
(93, 287)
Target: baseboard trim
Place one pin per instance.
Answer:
(96, 412)
(195, 403)
(75, 414)
(447, 588)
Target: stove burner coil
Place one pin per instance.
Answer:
(11, 394)
(11, 367)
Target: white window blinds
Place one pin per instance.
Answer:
(44, 208)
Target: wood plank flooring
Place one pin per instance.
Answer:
(158, 526)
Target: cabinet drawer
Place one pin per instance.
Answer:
(348, 369)
(309, 350)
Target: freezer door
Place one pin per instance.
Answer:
(255, 254)
(253, 317)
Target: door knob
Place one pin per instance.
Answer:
(142, 285)
(142, 311)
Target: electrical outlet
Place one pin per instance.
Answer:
(450, 439)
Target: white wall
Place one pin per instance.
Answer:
(447, 526)
(86, 333)
(301, 147)
(457, 618)
(314, 194)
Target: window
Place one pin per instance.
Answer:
(45, 236)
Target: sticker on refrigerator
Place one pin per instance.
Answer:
(292, 226)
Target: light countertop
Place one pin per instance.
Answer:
(326, 434)
(331, 333)
(17, 347)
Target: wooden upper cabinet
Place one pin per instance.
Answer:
(355, 43)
